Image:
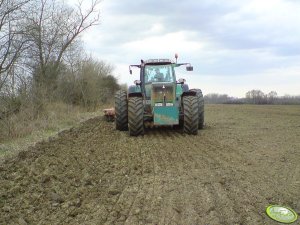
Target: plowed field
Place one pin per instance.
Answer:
(246, 158)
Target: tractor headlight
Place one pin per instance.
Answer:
(158, 104)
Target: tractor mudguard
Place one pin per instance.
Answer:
(185, 87)
(134, 91)
(189, 93)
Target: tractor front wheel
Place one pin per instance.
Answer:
(121, 110)
(191, 115)
(135, 116)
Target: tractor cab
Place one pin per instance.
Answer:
(158, 72)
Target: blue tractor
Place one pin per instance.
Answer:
(158, 99)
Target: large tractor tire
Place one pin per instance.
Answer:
(121, 110)
(200, 107)
(135, 116)
(190, 114)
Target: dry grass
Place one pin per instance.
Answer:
(21, 130)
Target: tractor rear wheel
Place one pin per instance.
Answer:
(135, 116)
(200, 107)
(121, 110)
(190, 114)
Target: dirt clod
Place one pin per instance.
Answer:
(21, 221)
(56, 198)
(113, 192)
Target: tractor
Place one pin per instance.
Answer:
(158, 99)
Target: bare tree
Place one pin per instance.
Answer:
(52, 28)
(214, 98)
(12, 41)
(272, 96)
(256, 97)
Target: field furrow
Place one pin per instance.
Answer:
(245, 158)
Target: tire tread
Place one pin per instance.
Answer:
(190, 111)
(121, 110)
(135, 116)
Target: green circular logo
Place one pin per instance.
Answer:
(281, 214)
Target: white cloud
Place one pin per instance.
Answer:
(156, 28)
(164, 44)
(235, 46)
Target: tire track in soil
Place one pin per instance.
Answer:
(232, 196)
(200, 200)
(125, 196)
(251, 208)
(144, 201)
(226, 187)
(214, 189)
(113, 182)
(122, 206)
(136, 211)
(175, 209)
(147, 204)
(169, 212)
(140, 188)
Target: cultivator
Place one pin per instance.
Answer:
(109, 114)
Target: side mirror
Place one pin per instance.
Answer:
(181, 80)
(137, 82)
(189, 68)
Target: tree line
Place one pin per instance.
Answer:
(253, 97)
(42, 58)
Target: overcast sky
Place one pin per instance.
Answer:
(234, 45)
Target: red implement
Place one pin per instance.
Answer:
(109, 114)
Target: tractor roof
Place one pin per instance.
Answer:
(158, 61)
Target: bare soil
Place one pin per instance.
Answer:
(246, 158)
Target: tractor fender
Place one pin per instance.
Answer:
(186, 93)
(134, 91)
(181, 88)
(185, 87)
(189, 93)
(135, 94)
